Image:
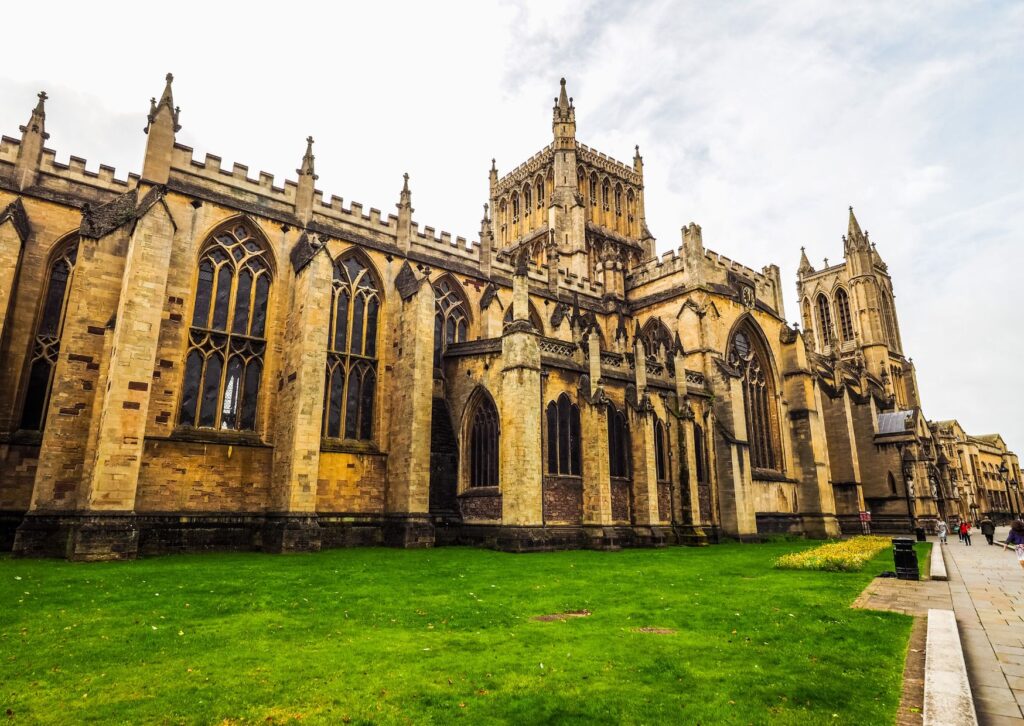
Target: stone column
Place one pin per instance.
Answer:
(597, 483)
(732, 456)
(519, 462)
(112, 474)
(810, 453)
(292, 525)
(58, 492)
(412, 379)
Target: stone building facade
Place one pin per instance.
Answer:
(885, 458)
(193, 358)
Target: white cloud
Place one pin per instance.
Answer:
(762, 121)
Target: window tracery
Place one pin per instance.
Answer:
(227, 338)
(748, 357)
(564, 443)
(451, 321)
(483, 444)
(351, 377)
(619, 446)
(46, 346)
(843, 314)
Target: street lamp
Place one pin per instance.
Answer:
(1004, 475)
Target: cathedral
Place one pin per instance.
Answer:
(194, 359)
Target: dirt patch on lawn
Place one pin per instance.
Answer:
(562, 616)
(655, 631)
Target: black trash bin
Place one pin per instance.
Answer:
(921, 537)
(906, 558)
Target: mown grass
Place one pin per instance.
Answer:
(437, 636)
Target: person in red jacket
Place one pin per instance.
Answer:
(965, 533)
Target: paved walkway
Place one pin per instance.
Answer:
(987, 589)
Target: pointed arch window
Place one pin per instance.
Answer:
(451, 321)
(227, 339)
(564, 443)
(483, 444)
(658, 343)
(534, 316)
(351, 382)
(46, 347)
(606, 192)
(747, 355)
(527, 199)
(618, 444)
(843, 314)
(540, 193)
(889, 320)
(593, 190)
(700, 453)
(515, 207)
(618, 200)
(825, 321)
(661, 450)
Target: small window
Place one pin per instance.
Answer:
(661, 451)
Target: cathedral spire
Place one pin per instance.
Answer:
(30, 151)
(306, 168)
(162, 124)
(855, 239)
(405, 211)
(805, 264)
(305, 190)
(563, 121)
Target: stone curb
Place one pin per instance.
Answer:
(947, 692)
(938, 563)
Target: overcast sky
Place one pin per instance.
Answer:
(760, 121)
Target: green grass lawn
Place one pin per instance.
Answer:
(436, 636)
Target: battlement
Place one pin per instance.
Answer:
(669, 263)
(607, 163)
(105, 177)
(525, 171)
(731, 265)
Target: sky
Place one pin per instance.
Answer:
(760, 121)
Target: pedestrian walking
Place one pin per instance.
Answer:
(942, 530)
(988, 528)
(1016, 539)
(965, 533)
(959, 533)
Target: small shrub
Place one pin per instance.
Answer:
(844, 556)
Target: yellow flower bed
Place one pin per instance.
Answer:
(844, 556)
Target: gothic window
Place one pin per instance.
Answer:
(631, 211)
(618, 444)
(351, 379)
(843, 313)
(890, 321)
(618, 200)
(503, 219)
(451, 322)
(658, 343)
(527, 199)
(483, 444)
(700, 453)
(563, 420)
(540, 193)
(825, 321)
(515, 207)
(747, 354)
(46, 347)
(606, 195)
(227, 338)
(593, 190)
(661, 450)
